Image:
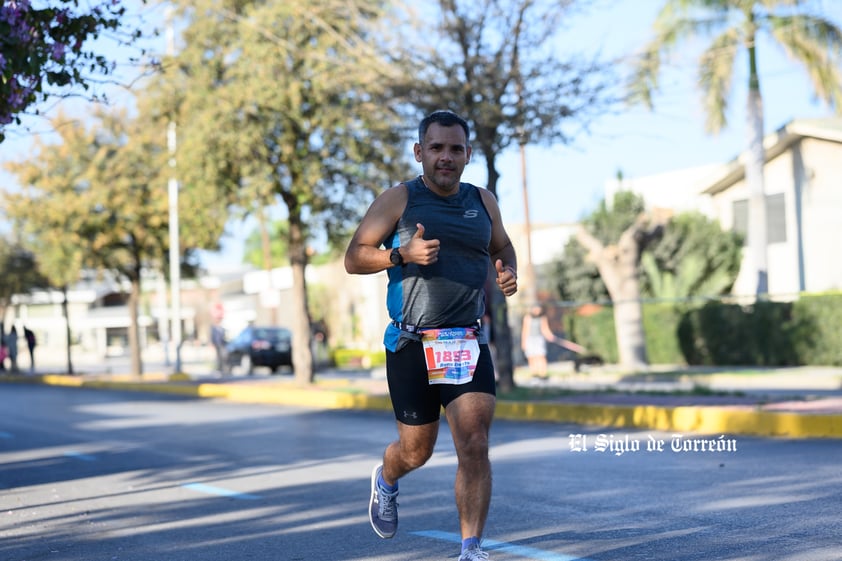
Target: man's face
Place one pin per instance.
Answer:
(443, 157)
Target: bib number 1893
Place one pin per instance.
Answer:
(451, 355)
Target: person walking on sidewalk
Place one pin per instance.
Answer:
(218, 342)
(12, 348)
(31, 341)
(435, 235)
(534, 335)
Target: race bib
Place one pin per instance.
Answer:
(451, 354)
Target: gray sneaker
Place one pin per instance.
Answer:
(383, 508)
(474, 554)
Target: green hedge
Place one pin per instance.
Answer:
(595, 333)
(358, 358)
(660, 322)
(819, 340)
(805, 332)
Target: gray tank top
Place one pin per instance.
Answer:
(450, 292)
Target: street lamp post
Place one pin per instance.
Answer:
(172, 191)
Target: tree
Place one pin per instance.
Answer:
(43, 216)
(811, 39)
(283, 102)
(619, 267)
(98, 200)
(494, 63)
(19, 273)
(275, 234)
(694, 257)
(43, 51)
(580, 278)
(624, 253)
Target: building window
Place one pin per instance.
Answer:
(775, 218)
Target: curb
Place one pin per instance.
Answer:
(696, 419)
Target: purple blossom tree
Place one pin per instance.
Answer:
(43, 51)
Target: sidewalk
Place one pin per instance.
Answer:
(788, 402)
(803, 402)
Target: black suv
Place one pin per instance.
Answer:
(259, 346)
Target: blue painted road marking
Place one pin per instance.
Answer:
(520, 550)
(80, 456)
(219, 491)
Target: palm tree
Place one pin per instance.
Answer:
(735, 25)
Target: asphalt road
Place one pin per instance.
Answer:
(101, 475)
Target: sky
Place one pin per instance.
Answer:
(565, 183)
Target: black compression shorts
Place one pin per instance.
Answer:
(416, 401)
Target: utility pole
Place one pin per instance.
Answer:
(529, 277)
(172, 191)
(531, 289)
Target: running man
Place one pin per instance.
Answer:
(435, 236)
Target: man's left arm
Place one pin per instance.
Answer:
(502, 251)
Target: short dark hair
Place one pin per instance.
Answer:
(445, 118)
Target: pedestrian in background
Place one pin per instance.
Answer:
(439, 236)
(534, 335)
(12, 348)
(29, 335)
(218, 342)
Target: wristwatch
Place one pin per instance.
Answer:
(396, 258)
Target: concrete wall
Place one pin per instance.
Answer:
(807, 175)
(822, 223)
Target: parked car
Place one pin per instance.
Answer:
(259, 346)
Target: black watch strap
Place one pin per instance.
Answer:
(396, 258)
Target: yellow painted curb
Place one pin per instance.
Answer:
(57, 380)
(699, 419)
(290, 395)
(707, 420)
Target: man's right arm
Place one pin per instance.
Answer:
(365, 254)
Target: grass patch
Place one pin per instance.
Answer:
(523, 393)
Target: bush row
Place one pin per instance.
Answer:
(357, 358)
(807, 331)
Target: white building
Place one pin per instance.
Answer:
(803, 183)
